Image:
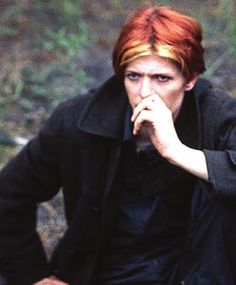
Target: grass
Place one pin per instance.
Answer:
(225, 28)
(53, 72)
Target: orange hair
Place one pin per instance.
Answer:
(165, 32)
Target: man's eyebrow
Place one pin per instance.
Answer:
(166, 73)
(131, 70)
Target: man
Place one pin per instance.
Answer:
(147, 166)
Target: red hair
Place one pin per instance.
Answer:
(163, 31)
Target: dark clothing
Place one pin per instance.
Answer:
(144, 245)
(150, 231)
(79, 149)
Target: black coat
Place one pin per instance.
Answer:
(78, 150)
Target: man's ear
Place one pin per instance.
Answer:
(191, 83)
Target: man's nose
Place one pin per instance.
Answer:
(146, 88)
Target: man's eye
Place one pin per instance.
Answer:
(162, 78)
(132, 76)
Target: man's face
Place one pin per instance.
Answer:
(148, 75)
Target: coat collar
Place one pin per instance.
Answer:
(104, 113)
(188, 123)
(188, 126)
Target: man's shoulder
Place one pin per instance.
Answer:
(215, 106)
(210, 97)
(70, 111)
(78, 102)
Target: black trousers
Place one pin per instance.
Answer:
(210, 253)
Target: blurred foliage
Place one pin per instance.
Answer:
(53, 73)
(64, 40)
(221, 26)
(6, 153)
(52, 36)
(228, 13)
(8, 26)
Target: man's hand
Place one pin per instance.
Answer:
(153, 113)
(50, 281)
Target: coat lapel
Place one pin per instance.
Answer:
(188, 122)
(104, 114)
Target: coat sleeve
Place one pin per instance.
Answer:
(31, 177)
(221, 160)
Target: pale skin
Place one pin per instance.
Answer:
(156, 89)
(50, 281)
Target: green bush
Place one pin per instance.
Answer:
(225, 28)
(64, 39)
(61, 39)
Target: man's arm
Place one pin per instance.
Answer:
(29, 178)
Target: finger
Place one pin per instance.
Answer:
(55, 279)
(150, 103)
(144, 105)
(58, 282)
(50, 281)
(144, 116)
